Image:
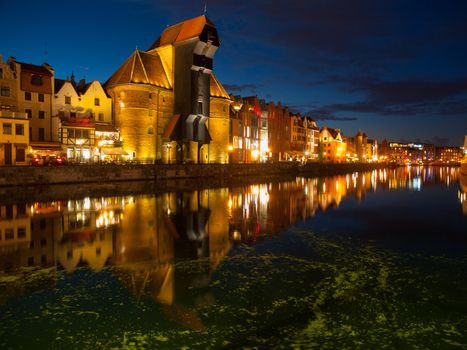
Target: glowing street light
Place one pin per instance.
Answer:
(169, 146)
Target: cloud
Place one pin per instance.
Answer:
(410, 90)
(241, 87)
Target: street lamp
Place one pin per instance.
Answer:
(169, 146)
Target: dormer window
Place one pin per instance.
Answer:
(36, 80)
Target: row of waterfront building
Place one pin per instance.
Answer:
(162, 105)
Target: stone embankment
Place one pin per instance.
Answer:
(82, 174)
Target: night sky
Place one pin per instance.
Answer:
(395, 69)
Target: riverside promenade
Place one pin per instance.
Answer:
(25, 184)
(77, 174)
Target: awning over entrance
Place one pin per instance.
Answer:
(168, 134)
(114, 151)
(46, 146)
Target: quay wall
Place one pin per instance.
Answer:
(11, 176)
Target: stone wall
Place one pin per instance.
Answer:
(69, 174)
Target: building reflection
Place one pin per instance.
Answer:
(142, 238)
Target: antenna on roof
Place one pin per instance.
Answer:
(205, 8)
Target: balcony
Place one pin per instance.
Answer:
(13, 115)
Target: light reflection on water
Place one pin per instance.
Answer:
(143, 237)
(155, 230)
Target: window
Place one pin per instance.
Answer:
(40, 97)
(101, 117)
(36, 80)
(41, 114)
(150, 130)
(5, 91)
(29, 113)
(31, 261)
(9, 233)
(200, 107)
(73, 114)
(97, 102)
(19, 129)
(20, 155)
(1, 73)
(85, 134)
(71, 133)
(41, 134)
(7, 128)
(21, 232)
(43, 242)
(68, 100)
(27, 96)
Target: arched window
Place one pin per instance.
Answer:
(36, 79)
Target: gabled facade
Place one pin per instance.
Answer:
(332, 145)
(35, 89)
(8, 87)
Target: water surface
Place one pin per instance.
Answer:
(364, 260)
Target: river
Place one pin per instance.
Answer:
(367, 260)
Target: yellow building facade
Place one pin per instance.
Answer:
(14, 138)
(332, 146)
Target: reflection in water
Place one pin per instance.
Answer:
(142, 237)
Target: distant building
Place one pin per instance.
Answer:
(410, 153)
(297, 137)
(449, 154)
(332, 145)
(312, 138)
(279, 133)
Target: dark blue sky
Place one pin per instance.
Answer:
(394, 69)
